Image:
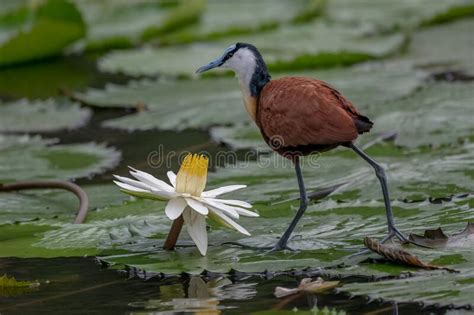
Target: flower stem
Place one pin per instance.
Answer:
(174, 233)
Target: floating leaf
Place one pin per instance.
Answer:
(41, 116)
(40, 34)
(297, 47)
(443, 289)
(118, 25)
(399, 256)
(438, 114)
(9, 286)
(458, 34)
(24, 157)
(221, 18)
(384, 16)
(464, 239)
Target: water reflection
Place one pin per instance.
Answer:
(201, 296)
(81, 286)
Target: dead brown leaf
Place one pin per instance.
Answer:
(399, 256)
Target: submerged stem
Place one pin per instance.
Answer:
(174, 233)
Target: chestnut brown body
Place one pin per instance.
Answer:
(299, 116)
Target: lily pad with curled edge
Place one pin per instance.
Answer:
(221, 18)
(441, 289)
(204, 103)
(376, 16)
(438, 114)
(437, 238)
(33, 157)
(412, 175)
(41, 116)
(457, 34)
(327, 234)
(123, 24)
(301, 46)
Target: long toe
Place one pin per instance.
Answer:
(279, 247)
(396, 232)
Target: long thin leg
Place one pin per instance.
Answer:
(303, 205)
(379, 171)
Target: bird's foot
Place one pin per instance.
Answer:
(278, 247)
(395, 232)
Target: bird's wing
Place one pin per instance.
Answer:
(302, 111)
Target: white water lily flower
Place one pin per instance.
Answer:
(187, 197)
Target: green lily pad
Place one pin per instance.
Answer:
(438, 114)
(41, 116)
(322, 236)
(384, 16)
(116, 25)
(54, 206)
(443, 289)
(39, 33)
(222, 18)
(457, 34)
(27, 158)
(412, 175)
(176, 105)
(301, 46)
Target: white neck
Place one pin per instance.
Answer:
(243, 63)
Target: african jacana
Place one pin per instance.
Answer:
(304, 115)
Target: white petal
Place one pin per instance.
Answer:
(151, 180)
(175, 208)
(196, 226)
(228, 221)
(222, 190)
(239, 203)
(130, 187)
(198, 206)
(132, 182)
(154, 194)
(172, 178)
(222, 207)
(224, 204)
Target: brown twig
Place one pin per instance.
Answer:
(45, 184)
(174, 233)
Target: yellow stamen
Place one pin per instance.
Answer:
(192, 175)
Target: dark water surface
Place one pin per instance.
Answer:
(83, 286)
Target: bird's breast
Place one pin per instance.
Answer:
(250, 103)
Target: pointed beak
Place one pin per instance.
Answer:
(213, 64)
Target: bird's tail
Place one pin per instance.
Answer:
(363, 124)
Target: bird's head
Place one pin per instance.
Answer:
(247, 62)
